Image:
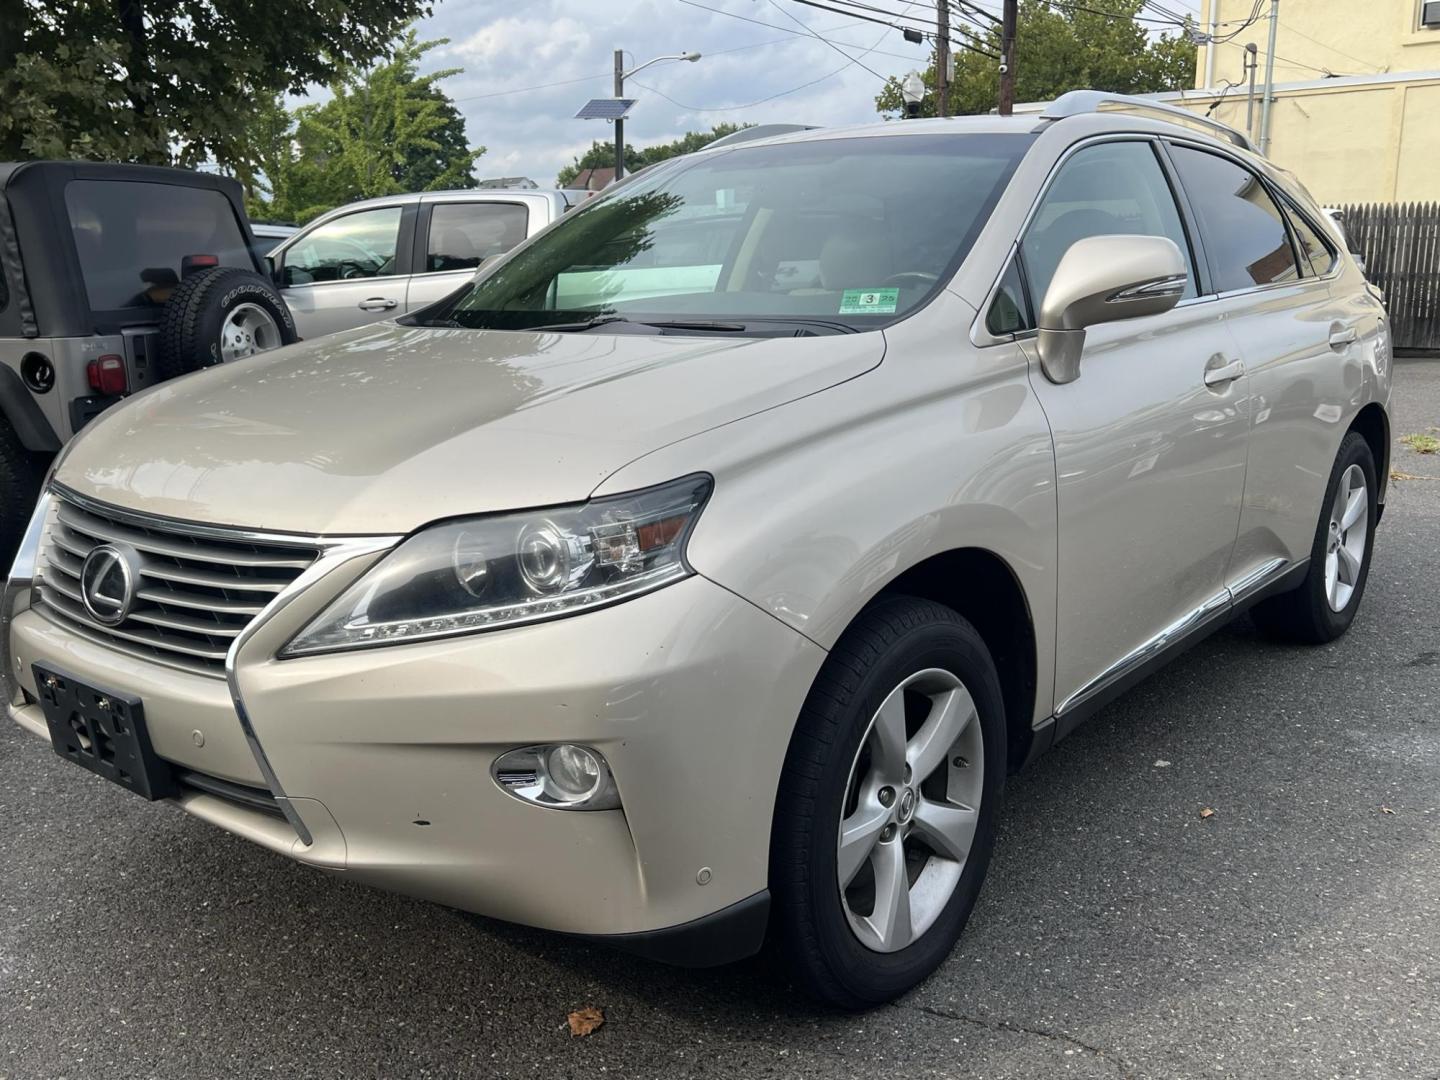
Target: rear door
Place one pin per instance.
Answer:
(348, 270)
(1298, 346)
(455, 237)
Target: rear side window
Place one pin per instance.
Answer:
(1107, 189)
(1244, 231)
(462, 234)
(1313, 248)
(132, 238)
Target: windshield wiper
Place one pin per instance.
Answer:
(577, 327)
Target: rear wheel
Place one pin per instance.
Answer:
(219, 316)
(20, 474)
(1324, 605)
(885, 818)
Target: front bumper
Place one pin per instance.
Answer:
(385, 754)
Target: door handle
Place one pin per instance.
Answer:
(378, 303)
(1218, 376)
(1342, 337)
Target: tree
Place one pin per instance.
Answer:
(171, 83)
(1057, 51)
(601, 155)
(384, 131)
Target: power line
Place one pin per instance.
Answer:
(527, 89)
(1317, 41)
(853, 59)
(788, 30)
(856, 15)
(783, 93)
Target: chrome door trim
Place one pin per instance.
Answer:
(1252, 582)
(332, 556)
(1182, 627)
(1192, 622)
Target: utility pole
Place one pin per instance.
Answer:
(1251, 63)
(1269, 79)
(942, 58)
(1007, 58)
(619, 120)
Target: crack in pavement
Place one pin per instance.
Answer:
(1122, 1067)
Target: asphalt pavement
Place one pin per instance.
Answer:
(1293, 933)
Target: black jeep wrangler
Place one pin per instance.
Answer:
(112, 278)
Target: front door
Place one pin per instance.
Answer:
(1150, 440)
(344, 273)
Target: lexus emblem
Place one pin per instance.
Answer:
(108, 581)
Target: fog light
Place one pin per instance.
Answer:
(562, 776)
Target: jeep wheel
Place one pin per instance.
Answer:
(19, 488)
(220, 315)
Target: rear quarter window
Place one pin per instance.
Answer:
(131, 238)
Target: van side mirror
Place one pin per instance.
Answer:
(1101, 279)
(274, 270)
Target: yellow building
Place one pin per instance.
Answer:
(1356, 107)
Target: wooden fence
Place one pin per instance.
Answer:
(1400, 243)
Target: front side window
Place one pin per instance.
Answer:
(359, 245)
(133, 238)
(462, 235)
(829, 235)
(1245, 235)
(1103, 190)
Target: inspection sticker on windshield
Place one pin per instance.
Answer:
(869, 301)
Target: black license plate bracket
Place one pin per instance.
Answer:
(103, 731)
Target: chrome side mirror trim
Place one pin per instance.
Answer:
(1103, 279)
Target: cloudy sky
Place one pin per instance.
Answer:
(515, 53)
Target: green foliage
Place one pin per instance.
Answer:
(385, 131)
(172, 83)
(601, 155)
(1058, 51)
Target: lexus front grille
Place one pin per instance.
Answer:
(196, 589)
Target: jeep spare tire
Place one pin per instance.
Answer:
(220, 315)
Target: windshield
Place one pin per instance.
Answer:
(831, 236)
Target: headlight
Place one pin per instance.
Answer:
(485, 573)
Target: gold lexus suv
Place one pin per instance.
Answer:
(699, 571)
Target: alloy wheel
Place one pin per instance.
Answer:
(1345, 543)
(911, 809)
(247, 330)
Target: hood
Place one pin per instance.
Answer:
(386, 428)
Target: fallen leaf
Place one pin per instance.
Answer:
(1386, 810)
(585, 1021)
(1206, 812)
(1162, 764)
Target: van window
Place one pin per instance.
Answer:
(131, 238)
(347, 248)
(1245, 235)
(463, 234)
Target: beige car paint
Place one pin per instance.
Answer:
(321, 438)
(1115, 501)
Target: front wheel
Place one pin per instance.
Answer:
(1324, 605)
(886, 811)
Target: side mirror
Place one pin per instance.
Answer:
(1101, 279)
(274, 270)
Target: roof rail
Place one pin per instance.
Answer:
(1080, 102)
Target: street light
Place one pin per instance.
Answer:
(620, 76)
(912, 90)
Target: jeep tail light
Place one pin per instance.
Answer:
(107, 375)
(191, 263)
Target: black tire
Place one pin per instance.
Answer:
(894, 638)
(20, 475)
(1304, 614)
(197, 309)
